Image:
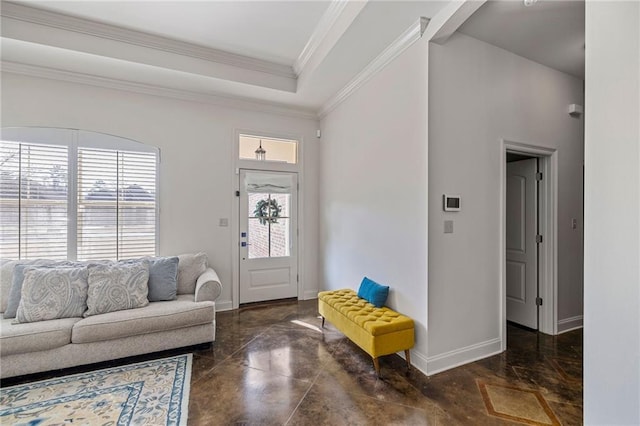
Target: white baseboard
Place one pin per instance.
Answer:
(418, 360)
(224, 305)
(569, 324)
(310, 294)
(458, 357)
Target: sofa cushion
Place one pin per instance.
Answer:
(52, 293)
(155, 317)
(117, 286)
(190, 267)
(35, 336)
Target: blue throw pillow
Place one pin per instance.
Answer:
(373, 292)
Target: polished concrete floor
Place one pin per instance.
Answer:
(272, 364)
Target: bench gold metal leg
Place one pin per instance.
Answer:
(407, 356)
(376, 365)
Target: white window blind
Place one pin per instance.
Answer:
(116, 204)
(33, 200)
(77, 195)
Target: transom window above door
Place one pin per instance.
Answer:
(261, 148)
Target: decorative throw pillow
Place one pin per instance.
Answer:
(52, 293)
(163, 278)
(373, 292)
(190, 267)
(6, 276)
(117, 286)
(15, 293)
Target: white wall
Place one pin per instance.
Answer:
(612, 214)
(373, 195)
(479, 94)
(196, 143)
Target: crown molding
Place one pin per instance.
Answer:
(402, 43)
(226, 101)
(138, 38)
(450, 18)
(320, 32)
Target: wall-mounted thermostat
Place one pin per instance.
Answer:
(451, 203)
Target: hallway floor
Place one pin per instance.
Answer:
(273, 364)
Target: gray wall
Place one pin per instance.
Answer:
(612, 215)
(373, 193)
(196, 143)
(479, 94)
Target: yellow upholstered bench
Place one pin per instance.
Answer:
(378, 331)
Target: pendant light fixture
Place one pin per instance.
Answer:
(261, 154)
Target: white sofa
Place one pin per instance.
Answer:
(27, 348)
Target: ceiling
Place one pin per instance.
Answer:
(275, 31)
(549, 32)
(296, 55)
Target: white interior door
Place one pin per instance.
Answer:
(522, 257)
(268, 235)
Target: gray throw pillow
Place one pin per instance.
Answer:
(52, 293)
(15, 293)
(190, 267)
(163, 278)
(117, 286)
(6, 277)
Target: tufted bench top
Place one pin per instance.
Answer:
(376, 321)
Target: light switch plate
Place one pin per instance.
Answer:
(223, 221)
(448, 227)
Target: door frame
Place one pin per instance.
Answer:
(234, 222)
(547, 227)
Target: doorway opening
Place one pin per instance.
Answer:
(267, 218)
(522, 240)
(529, 237)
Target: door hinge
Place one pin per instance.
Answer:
(538, 301)
(538, 239)
(539, 176)
(237, 193)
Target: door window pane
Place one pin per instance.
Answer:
(269, 225)
(280, 238)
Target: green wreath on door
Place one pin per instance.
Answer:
(262, 211)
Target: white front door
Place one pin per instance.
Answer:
(522, 250)
(268, 235)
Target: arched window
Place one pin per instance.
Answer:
(72, 194)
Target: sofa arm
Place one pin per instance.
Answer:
(208, 286)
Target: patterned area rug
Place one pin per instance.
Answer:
(147, 393)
